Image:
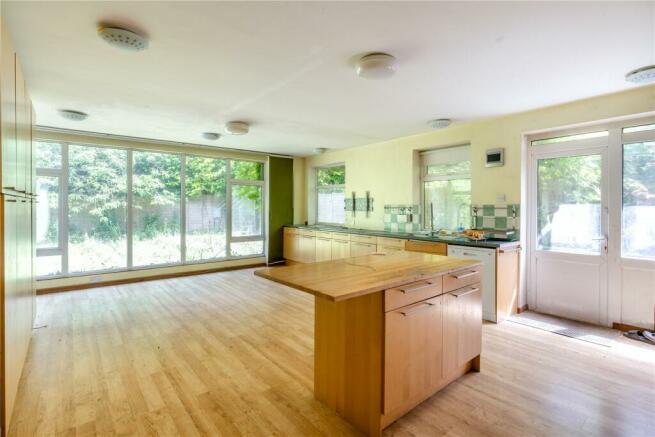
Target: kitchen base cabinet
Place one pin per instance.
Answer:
(323, 249)
(361, 249)
(462, 328)
(411, 373)
(291, 244)
(307, 248)
(426, 247)
(340, 249)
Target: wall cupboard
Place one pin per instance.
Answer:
(17, 212)
(501, 266)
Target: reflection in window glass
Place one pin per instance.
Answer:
(97, 202)
(247, 248)
(567, 138)
(450, 201)
(156, 209)
(47, 212)
(246, 210)
(247, 170)
(463, 167)
(49, 265)
(569, 204)
(206, 208)
(638, 215)
(48, 155)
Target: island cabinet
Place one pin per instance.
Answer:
(390, 330)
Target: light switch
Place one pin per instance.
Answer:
(500, 198)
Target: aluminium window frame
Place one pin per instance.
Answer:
(63, 172)
(318, 187)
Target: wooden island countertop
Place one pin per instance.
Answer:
(352, 277)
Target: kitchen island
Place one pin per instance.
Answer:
(390, 330)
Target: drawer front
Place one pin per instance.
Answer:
(307, 232)
(323, 234)
(426, 247)
(340, 236)
(414, 292)
(387, 249)
(290, 231)
(363, 239)
(391, 242)
(462, 278)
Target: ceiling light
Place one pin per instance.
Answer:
(237, 127)
(439, 123)
(376, 66)
(320, 150)
(123, 38)
(642, 75)
(211, 136)
(69, 114)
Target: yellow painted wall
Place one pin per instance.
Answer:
(390, 171)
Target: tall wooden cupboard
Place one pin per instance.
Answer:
(17, 217)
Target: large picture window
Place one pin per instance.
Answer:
(108, 209)
(446, 178)
(330, 194)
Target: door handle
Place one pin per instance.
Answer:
(602, 238)
(417, 309)
(465, 292)
(465, 275)
(415, 287)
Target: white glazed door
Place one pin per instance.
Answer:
(570, 222)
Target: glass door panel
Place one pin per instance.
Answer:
(638, 210)
(569, 210)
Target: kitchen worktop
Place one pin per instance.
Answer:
(460, 241)
(351, 277)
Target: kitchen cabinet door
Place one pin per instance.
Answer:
(8, 112)
(361, 249)
(462, 327)
(340, 249)
(323, 249)
(426, 247)
(413, 353)
(307, 249)
(291, 245)
(22, 122)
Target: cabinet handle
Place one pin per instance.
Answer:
(468, 254)
(417, 309)
(465, 292)
(465, 275)
(415, 288)
(10, 188)
(10, 200)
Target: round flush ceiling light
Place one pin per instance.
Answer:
(211, 136)
(237, 127)
(642, 75)
(123, 39)
(320, 150)
(439, 123)
(376, 66)
(69, 114)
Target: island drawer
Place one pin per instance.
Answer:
(363, 239)
(340, 236)
(391, 242)
(462, 278)
(411, 293)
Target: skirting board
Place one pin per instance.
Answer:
(144, 278)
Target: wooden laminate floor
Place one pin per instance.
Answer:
(230, 353)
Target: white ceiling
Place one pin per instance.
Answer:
(287, 67)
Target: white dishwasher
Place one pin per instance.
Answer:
(488, 259)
